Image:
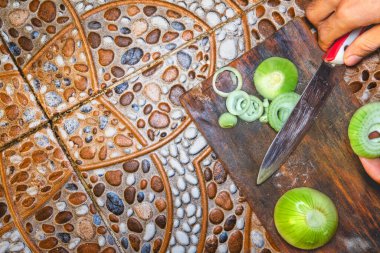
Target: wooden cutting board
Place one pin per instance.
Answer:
(323, 160)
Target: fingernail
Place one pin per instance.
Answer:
(352, 60)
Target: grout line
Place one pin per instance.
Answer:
(87, 189)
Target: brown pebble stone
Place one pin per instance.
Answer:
(105, 56)
(211, 244)
(216, 216)
(137, 87)
(133, 10)
(230, 222)
(235, 242)
(131, 166)
(126, 98)
(88, 247)
(48, 228)
(22, 99)
(135, 242)
(164, 107)
(94, 40)
(161, 221)
(220, 175)
(109, 250)
(169, 36)
(4, 98)
(123, 41)
(148, 109)
(170, 74)
(217, 229)
(28, 226)
(48, 243)
(211, 190)
(33, 6)
(98, 189)
(207, 174)
(113, 218)
(12, 112)
(115, 228)
(143, 184)
(77, 198)
(18, 17)
(112, 14)
(69, 227)
(114, 177)
(140, 123)
(25, 43)
(159, 120)
(156, 184)
(80, 82)
(101, 230)
(153, 36)
(88, 153)
(51, 29)
(175, 93)
(134, 225)
(123, 141)
(47, 11)
(239, 210)
(160, 204)
(223, 199)
(157, 245)
(173, 14)
(129, 194)
(103, 153)
(63, 217)
(81, 67)
(150, 134)
(187, 35)
(149, 10)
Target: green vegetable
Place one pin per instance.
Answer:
(364, 131)
(254, 111)
(238, 102)
(227, 120)
(264, 118)
(275, 76)
(281, 108)
(233, 71)
(305, 218)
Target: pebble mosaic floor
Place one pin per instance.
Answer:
(97, 154)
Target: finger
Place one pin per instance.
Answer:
(365, 44)
(319, 10)
(372, 167)
(345, 19)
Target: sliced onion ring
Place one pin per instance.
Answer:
(238, 102)
(255, 111)
(217, 73)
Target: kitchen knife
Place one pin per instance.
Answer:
(306, 109)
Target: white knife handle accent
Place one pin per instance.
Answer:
(335, 54)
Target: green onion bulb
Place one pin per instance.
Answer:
(364, 131)
(305, 218)
(275, 76)
(227, 120)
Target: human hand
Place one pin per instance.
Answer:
(334, 18)
(372, 167)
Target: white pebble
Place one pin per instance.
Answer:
(180, 213)
(195, 193)
(150, 231)
(131, 179)
(228, 49)
(199, 144)
(16, 246)
(190, 133)
(173, 150)
(212, 18)
(15, 236)
(186, 227)
(233, 188)
(176, 165)
(194, 239)
(176, 223)
(186, 198)
(182, 238)
(240, 223)
(178, 249)
(183, 157)
(73, 243)
(123, 228)
(101, 241)
(82, 210)
(177, 202)
(192, 220)
(181, 184)
(196, 228)
(190, 210)
(191, 179)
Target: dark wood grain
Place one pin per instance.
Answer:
(323, 160)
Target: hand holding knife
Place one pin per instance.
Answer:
(306, 109)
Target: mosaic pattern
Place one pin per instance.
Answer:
(123, 168)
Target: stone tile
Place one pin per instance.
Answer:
(33, 169)
(28, 25)
(133, 197)
(96, 134)
(19, 111)
(6, 221)
(69, 222)
(60, 74)
(133, 35)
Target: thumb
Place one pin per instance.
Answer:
(365, 44)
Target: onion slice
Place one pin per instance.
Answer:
(232, 70)
(227, 120)
(305, 218)
(238, 102)
(255, 110)
(281, 108)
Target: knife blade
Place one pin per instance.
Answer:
(307, 108)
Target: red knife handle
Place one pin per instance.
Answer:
(335, 54)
